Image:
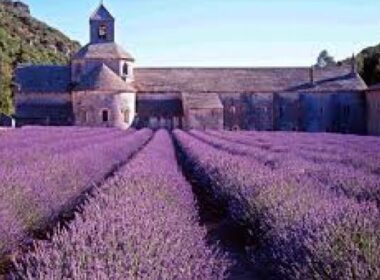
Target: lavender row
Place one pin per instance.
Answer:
(340, 178)
(357, 152)
(24, 139)
(19, 138)
(34, 195)
(142, 225)
(14, 157)
(301, 230)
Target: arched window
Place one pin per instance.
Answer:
(83, 116)
(126, 116)
(235, 128)
(102, 31)
(105, 115)
(233, 109)
(125, 69)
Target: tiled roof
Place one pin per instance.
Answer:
(202, 101)
(43, 78)
(233, 80)
(104, 79)
(101, 13)
(107, 50)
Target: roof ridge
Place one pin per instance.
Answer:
(239, 67)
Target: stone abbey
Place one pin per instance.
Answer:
(102, 87)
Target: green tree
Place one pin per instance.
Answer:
(6, 104)
(324, 59)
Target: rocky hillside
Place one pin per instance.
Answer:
(24, 39)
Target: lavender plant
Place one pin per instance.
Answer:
(34, 193)
(324, 168)
(142, 224)
(304, 230)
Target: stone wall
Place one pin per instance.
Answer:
(204, 119)
(159, 111)
(342, 112)
(287, 114)
(248, 111)
(104, 109)
(43, 109)
(373, 112)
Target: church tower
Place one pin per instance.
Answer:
(102, 77)
(102, 26)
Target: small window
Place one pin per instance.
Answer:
(126, 116)
(102, 31)
(125, 69)
(105, 116)
(233, 110)
(83, 116)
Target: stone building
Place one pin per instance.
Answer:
(102, 87)
(373, 110)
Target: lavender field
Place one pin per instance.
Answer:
(81, 203)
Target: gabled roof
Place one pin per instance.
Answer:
(43, 78)
(101, 13)
(246, 80)
(210, 100)
(107, 50)
(103, 78)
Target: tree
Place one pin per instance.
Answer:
(6, 103)
(325, 59)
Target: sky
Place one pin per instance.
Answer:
(225, 32)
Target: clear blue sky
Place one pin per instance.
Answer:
(225, 32)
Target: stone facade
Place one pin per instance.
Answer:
(102, 87)
(373, 110)
(104, 109)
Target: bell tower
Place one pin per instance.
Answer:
(102, 26)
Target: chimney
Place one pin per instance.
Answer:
(311, 74)
(354, 69)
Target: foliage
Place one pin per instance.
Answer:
(24, 39)
(325, 59)
(368, 62)
(5, 89)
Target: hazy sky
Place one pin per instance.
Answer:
(225, 32)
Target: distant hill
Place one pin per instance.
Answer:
(24, 39)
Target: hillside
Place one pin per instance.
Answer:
(24, 39)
